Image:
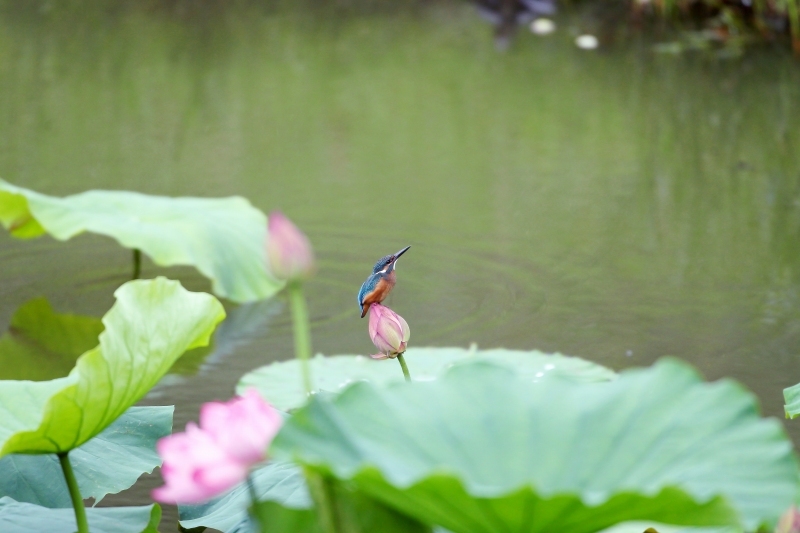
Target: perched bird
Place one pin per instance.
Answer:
(380, 283)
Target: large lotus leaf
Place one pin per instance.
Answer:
(286, 506)
(791, 396)
(152, 324)
(277, 481)
(222, 237)
(17, 517)
(41, 344)
(107, 464)
(481, 450)
(352, 512)
(275, 518)
(281, 385)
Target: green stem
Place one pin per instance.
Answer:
(251, 490)
(402, 361)
(137, 263)
(302, 331)
(74, 493)
(322, 493)
(255, 513)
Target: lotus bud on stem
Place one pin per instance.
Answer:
(291, 259)
(390, 334)
(289, 251)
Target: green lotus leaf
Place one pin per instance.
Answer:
(286, 506)
(281, 385)
(152, 323)
(791, 396)
(41, 344)
(278, 481)
(275, 518)
(352, 511)
(222, 237)
(481, 450)
(18, 517)
(107, 464)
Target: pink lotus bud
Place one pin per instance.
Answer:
(388, 331)
(207, 461)
(290, 254)
(789, 522)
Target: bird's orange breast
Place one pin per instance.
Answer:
(382, 290)
(379, 293)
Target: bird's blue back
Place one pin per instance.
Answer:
(368, 287)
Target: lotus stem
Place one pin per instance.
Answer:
(74, 493)
(302, 331)
(251, 490)
(404, 366)
(137, 263)
(322, 493)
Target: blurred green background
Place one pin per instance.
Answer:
(615, 204)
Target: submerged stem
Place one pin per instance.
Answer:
(302, 331)
(74, 493)
(403, 365)
(137, 263)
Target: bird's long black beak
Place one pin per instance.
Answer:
(401, 252)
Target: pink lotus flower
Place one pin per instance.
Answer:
(288, 248)
(388, 331)
(208, 460)
(195, 467)
(243, 427)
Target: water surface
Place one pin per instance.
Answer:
(618, 206)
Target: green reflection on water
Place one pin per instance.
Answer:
(595, 204)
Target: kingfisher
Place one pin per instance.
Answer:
(380, 283)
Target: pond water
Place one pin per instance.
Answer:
(620, 206)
